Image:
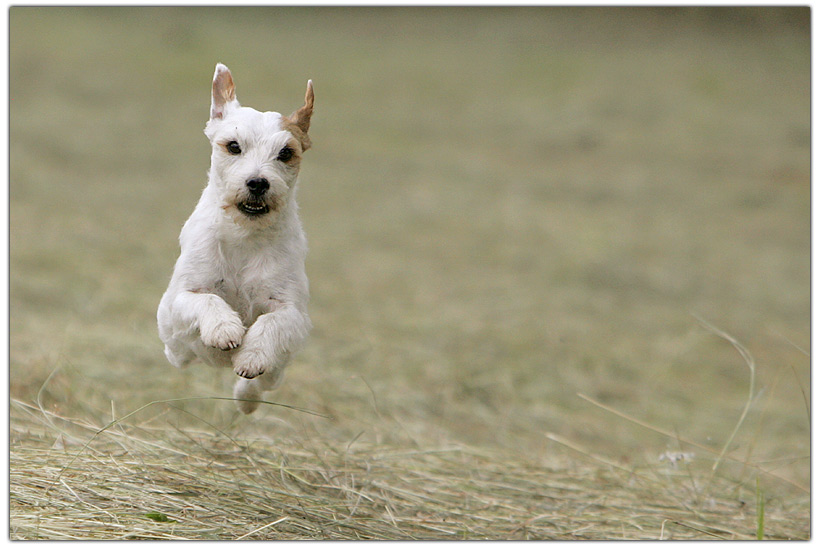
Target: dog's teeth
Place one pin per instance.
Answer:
(254, 208)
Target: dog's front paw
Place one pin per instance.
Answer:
(225, 335)
(249, 364)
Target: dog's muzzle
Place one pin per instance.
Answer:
(258, 186)
(255, 205)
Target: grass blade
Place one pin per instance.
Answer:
(761, 510)
(169, 401)
(750, 362)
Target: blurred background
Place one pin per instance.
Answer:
(505, 207)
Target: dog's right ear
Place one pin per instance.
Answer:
(224, 91)
(300, 119)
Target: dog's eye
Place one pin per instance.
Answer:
(285, 154)
(233, 148)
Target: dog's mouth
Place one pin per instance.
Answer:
(253, 208)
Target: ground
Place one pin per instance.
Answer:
(559, 264)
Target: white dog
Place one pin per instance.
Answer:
(238, 295)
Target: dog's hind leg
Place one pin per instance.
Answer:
(178, 353)
(248, 392)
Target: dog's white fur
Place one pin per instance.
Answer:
(238, 295)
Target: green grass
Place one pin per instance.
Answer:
(505, 208)
(761, 511)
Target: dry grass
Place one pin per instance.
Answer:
(145, 482)
(505, 208)
(137, 478)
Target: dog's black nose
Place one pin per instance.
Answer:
(257, 186)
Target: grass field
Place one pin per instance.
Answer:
(534, 236)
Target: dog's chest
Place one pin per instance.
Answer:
(251, 287)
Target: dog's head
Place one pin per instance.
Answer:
(255, 155)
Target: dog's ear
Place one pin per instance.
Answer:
(223, 92)
(301, 117)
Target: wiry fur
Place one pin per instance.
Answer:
(238, 295)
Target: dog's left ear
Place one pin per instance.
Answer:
(223, 91)
(301, 117)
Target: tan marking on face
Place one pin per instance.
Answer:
(296, 145)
